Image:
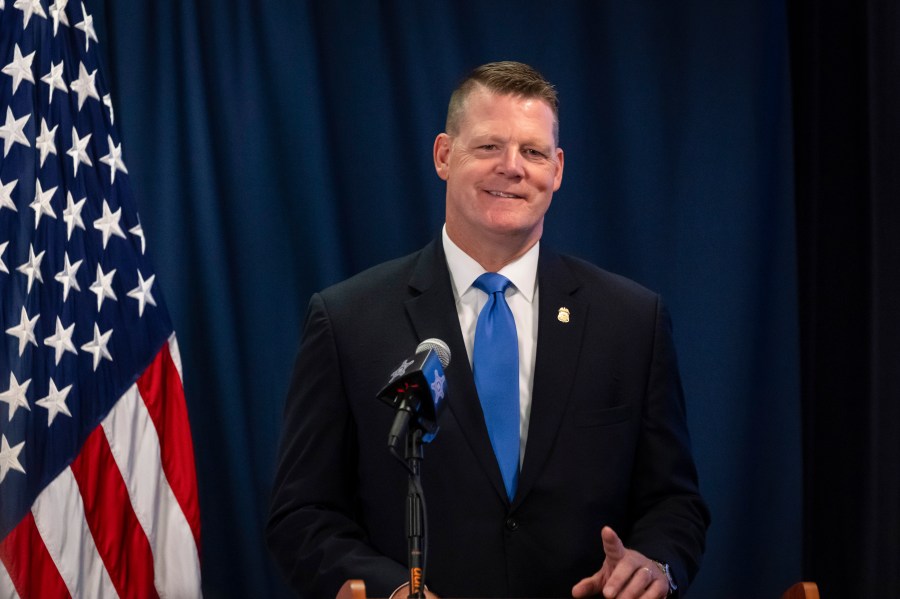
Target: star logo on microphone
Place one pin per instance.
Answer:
(438, 386)
(401, 370)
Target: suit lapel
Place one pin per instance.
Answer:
(433, 314)
(558, 348)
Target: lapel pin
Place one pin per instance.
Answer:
(563, 315)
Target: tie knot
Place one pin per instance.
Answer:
(491, 282)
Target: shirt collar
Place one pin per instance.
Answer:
(464, 269)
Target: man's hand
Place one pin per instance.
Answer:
(625, 574)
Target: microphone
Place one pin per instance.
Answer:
(417, 389)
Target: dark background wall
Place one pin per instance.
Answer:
(277, 147)
(845, 58)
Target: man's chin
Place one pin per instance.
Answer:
(514, 233)
(513, 223)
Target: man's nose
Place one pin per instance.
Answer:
(511, 163)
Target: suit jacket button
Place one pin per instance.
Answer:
(512, 524)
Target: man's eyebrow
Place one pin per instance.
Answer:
(488, 136)
(529, 142)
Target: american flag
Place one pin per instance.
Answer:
(98, 492)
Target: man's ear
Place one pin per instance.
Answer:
(557, 179)
(441, 155)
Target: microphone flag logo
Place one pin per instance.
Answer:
(401, 370)
(438, 386)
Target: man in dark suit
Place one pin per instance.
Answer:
(605, 477)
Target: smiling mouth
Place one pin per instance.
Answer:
(501, 194)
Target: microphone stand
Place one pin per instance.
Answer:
(415, 514)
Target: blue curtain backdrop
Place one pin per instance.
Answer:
(277, 147)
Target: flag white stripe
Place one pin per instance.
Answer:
(176, 355)
(7, 590)
(59, 518)
(134, 443)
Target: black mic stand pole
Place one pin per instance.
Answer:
(415, 516)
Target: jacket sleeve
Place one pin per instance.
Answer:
(669, 515)
(313, 530)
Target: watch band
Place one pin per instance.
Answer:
(665, 570)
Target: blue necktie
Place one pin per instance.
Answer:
(495, 361)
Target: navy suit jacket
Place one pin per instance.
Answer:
(607, 445)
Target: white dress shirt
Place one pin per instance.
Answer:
(522, 297)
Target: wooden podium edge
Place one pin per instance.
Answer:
(352, 589)
(801, 590)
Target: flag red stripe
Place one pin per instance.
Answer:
(161, 389)
(120, 540)
(29, 564)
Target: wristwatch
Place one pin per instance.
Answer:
(665, 570)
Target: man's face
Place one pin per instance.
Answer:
(501, 169)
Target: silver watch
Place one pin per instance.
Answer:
(665, 570)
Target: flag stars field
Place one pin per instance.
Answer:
(87, 26)
(78, 151)
(32, 268)
(72, 214)
(107, 101)
(138, 231)
(58, 14)
(45, 142)
(108, 224)
(55, 79)
(20, 68)
(84, 86)
(24, 331)
(142, 292)
(114, 159)
(67, 276)
(29, 8)
(9, 457)
(55, 402)
(41, 204)
(14, 396)
(13, 132)
(97, 346)
(102, 286)
(6, 190)
(61, 340)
